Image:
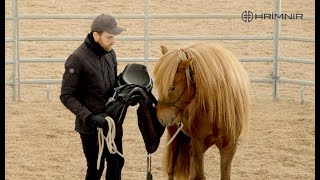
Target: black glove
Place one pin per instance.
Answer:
(97, 120)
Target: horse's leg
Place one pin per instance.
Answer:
(172, 153)
(196, 160)
(226, 156)
(171, 158)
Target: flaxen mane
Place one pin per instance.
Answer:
(221, 85)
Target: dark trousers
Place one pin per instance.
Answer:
(114, 161)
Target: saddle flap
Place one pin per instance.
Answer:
(150, 128)
(135, 74)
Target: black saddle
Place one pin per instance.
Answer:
(135, 74)
(134, 87)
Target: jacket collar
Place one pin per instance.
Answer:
(94, 46)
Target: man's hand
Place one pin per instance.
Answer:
(97, 120)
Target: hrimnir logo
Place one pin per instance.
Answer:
(248, 16)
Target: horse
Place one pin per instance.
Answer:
(204, 88)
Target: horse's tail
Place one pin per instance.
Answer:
(177, 158)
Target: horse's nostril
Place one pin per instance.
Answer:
(161, 120)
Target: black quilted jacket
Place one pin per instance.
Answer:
(88, 81)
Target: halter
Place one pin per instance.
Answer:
(174, 102)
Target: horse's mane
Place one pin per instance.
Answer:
(165, 71)
(221, 85)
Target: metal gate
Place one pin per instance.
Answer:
(275, 79)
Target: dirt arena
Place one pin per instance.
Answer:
(40, 139)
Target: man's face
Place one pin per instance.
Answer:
(106, 40)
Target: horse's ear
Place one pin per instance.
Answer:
(164, 49)
(185, 66)
(186, 63)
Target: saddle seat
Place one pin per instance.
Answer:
(135, 74)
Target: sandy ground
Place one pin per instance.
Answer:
(40, 139)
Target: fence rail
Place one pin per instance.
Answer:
(146, 38)
(142, 38)
(139, 16)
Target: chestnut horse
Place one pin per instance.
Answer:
(205, 88)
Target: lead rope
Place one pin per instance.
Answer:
(149, 175)
(111, 145)
(180, 126)
(175, 134)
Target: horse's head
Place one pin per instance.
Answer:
(175, 85)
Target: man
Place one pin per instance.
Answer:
(88, 81)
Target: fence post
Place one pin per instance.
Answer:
(276, 50)
(48, 92)
(302, 93)
(146, 32)
(15, 50)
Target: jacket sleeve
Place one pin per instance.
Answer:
(70, 88)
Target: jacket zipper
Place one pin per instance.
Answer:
(102, 72)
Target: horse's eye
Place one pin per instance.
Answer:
(172, 88)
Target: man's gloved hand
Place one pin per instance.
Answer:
(97, 119)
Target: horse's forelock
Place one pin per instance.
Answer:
(165, 70)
